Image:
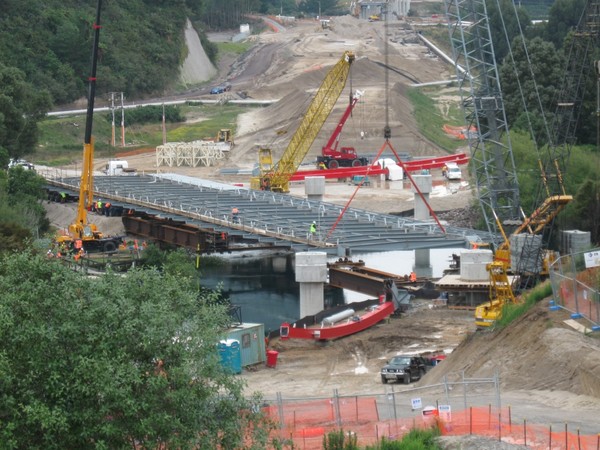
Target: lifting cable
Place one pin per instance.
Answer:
(387, 134)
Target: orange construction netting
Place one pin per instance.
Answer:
(305, 424)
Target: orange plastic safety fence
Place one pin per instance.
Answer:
(358, 416)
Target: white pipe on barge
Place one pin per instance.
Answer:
(329, 321)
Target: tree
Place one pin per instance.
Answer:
(21, 107)
(504, 25)
(114, 362)
(534, 72)
(586, 214)
(564, 16)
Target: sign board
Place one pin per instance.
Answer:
(429, 411)
(445, 413)
(592, 259)
(416, 403)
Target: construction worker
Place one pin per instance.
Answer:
(234, 214)
(413, 277)
(313, 229)
(99, 206)
(322, 166)
(444, 170)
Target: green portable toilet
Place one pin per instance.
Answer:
(231, 356)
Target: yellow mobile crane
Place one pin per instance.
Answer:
(276, 178)
(81, 230)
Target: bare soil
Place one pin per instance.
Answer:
(548, 372)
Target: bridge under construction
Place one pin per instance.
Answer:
(267, 219)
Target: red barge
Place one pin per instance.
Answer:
(348, 319)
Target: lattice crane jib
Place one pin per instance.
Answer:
(492, 161)
(584, 40)
(316, 115)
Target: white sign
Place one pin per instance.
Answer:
(592, 259)
(416, 403)
(445, 413)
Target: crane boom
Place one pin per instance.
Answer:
(277, 178)
(334, 139)
(81, 230)
(86, 185)
(331, 157)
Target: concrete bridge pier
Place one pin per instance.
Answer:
(311, 273)
(424, 182)
(422, 265)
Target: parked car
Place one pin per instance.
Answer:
(221, 88)
(404, 368)
(453, 172)
(21, 162)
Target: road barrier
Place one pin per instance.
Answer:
(573, 278)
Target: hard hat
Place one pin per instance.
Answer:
(314, 222)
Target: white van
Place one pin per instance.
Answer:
(454, 172)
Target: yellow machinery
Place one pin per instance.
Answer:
(225, 135)
(501, 283)
(81, 230)
(276, 178)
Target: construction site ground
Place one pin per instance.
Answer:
(548, 372)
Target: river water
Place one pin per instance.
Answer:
(266, 290)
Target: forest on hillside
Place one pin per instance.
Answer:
(141, 41)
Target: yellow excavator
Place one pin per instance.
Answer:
(276, 177)
(81, 233)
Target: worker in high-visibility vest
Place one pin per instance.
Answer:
(313, 229)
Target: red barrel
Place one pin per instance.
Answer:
(272, 358)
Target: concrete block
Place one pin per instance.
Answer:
(423, 182)
(314, 186)
(311, 267)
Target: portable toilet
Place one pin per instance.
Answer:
(231, 356)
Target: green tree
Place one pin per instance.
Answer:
(21, 107)
(564, 16)
(586, 209)
(524, 77)
(22, 215)
(114, 362)
(504, 25)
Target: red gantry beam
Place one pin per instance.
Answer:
(411, 166)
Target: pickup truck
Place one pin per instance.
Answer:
(405, 368)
